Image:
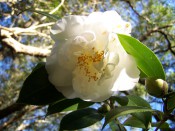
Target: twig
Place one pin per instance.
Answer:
(163, 121)
(156, 29)
(7, 39)
(54, 10)
(17, 117)
(42, 25)
(10, 109)
(130, 5)
(168, 41)
(171, 117)
(24, 31)
(24, 49)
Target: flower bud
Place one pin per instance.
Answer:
(104, 108)
(156, 87)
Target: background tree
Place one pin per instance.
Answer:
(25, 41)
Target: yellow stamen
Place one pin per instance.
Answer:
(85, 62)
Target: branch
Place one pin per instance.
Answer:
(159, 30)
(130, 5)
(7, 39)
(10, 109)
(171, 117)
(23, 31)
(160, 51)
(42, 25)
(18, 116)
(24, 49)
(156, 29)
(168, 41)
(54, 10)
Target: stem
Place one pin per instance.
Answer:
(120, 126)
(163, 121)
(171, 117)
(111, 103)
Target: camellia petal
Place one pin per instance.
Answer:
(67, 27)
(60, 76)
(128, 76)
(88, 61)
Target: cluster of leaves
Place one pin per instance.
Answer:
(37, 90)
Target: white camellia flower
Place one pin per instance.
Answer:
(87, 60)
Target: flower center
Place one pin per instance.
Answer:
(87, 60)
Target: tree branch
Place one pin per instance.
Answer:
(130, 5)
(10, 109)
(18, 116)
(156, 29)
(24, 49)
(159, 30)
(168, 42)
(7, 39)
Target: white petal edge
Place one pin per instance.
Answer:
(128, 76)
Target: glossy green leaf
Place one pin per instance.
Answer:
(161, 125)
(132, 100)
(80, 119)
(54, 17)
(137, 101)
(62, 105)
(84, 104)
(71, 108)
(67, 105)
(145, 117)
(124, 110)
(171, 101)
(134, 122)
(122, 100)
(115, 126)
(146, 60)
(37, 90)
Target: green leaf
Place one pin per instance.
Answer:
(72, 108)
(62, 105)
(137, 101)
(37, 90)
(131, 100)
(67, 105)
(171, 101)
(115, 126)
(146, 60)
(142, 74)
(160, 125)
(80, 119)
(84, 104)
(44, 13)
(124, 110)
(145, 117)
(134, 122)
(122, 100)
